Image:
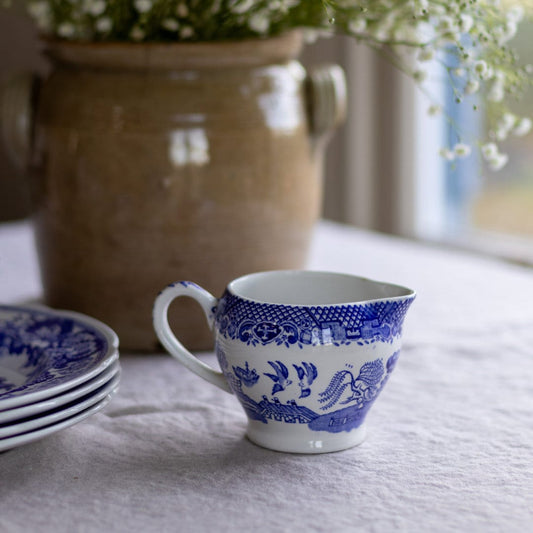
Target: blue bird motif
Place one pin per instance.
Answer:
(281, 378)
(307, 373)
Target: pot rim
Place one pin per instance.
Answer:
(168, 56)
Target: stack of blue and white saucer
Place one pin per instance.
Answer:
(56, 369)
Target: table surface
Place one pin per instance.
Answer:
(449, 444)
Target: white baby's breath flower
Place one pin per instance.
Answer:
(437, 10)
(508, 32)
(215, 7)
(462, 150)
(473, 34)
(170, 24)
(446, 25)
(500, 35)
(66, 30)
(186, 32)
(42, 15)
(103, 25)
(515, 13)
(489, 74)
(38, 9)
(498, 161)
(499, 134)
(240, 6)
(95, 7)
(496, 92)
(259, 22)
(489, 150)
(497, 89)
(471, 87)
(493, 157)
(426, 54)
(143, 6)
(420, 75)
(523, 127)
(421, 7)
(507, 121)
(381, 32)
(182, 10)
(357, 26)
(481, 68)
(311, 36)
(425, 33)
(447, 154)
(137, 33)
(466, 22)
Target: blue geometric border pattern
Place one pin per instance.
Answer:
(262, 324)
(47, 349)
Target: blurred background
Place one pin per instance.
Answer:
(383, 168)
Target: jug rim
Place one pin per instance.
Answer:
(294, 290)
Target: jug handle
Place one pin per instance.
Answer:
(165, 334)
(326, 98)
(17, 95)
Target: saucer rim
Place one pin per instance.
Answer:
(57, 415)
(9, 443)
(111, 355)
(70, 395)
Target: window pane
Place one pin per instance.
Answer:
(504, 200)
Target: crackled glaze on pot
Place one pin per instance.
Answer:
(161, 162)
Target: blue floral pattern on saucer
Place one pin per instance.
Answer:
(43, 350)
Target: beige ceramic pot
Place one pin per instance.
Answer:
(155, 163)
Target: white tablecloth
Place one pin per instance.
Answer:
(450, 439)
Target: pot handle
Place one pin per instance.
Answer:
(16, 116)
(326, 92)
(174, 347)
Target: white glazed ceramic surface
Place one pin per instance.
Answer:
(68, 396)
(26, 438)
(65, 411)
(306, 353)
(44, 352)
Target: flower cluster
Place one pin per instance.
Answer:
(469, 37)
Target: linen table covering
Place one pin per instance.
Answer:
(450, 439)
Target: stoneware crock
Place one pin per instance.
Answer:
(154, 162)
